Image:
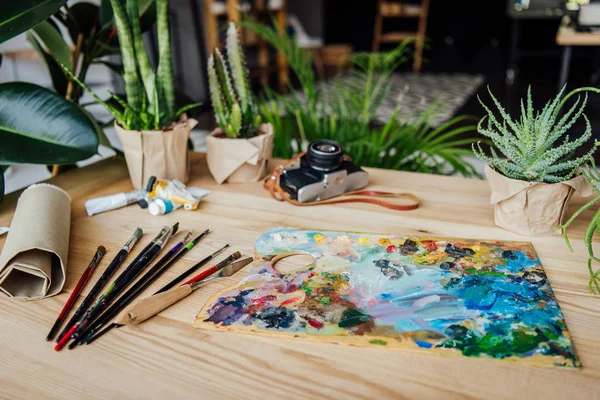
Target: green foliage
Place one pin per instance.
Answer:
(150, 96)
(535, 147)
(54, 132)
(234, 108)
(19, 16)
(347, 114)
(37, 125)
(592, 176)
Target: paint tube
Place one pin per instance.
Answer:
(162, 206)
(112, 202)
(174, 191)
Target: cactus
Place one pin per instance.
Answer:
(536, 147)
(234, 108)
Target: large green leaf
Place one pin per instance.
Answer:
(54, 42)
(18, 16)
(82, 18)
(59, 80)
(38, 126)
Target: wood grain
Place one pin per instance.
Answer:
(167, 358)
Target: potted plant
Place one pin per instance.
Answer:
(239, 150)
(533, 170)
(153, 132)
(592, 176)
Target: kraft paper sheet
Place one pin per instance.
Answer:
(240, 160)
(532, 208)
(34, 258)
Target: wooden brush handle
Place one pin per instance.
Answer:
(150, 306)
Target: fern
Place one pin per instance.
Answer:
(526, 148)
(235, 110)
(347, 113)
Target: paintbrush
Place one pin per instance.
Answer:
(193, 268)
(106, 275)
(173, 282)
(132, 271)
(87, 274)
(129, 295)
(150, 306)
(141, 285)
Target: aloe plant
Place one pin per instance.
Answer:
(150, 95)
(235, 110)
(536, 147)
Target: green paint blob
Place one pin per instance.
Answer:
(325, 300)
(353, 317)
(378, 341)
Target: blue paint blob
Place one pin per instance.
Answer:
(423, 345)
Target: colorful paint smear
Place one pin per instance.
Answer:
(447, 296)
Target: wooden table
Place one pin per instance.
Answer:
(166, 358)
(569, 37)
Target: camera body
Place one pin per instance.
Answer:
(322, 173)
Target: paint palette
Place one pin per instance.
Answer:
(475, 298)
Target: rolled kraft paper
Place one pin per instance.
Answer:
(163, 154)
(34, 258)
(532, 208)
(240, 160)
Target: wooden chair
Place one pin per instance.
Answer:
(389, 9)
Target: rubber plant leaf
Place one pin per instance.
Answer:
(59, 80)
(38, 126)
(17, 17)
(54, 42)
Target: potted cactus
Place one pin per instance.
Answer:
(154, 133)
(532, 169)
(239, 150)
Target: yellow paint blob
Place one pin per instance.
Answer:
(384, 242)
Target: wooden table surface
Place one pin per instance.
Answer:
(167, 358)
(567, 36)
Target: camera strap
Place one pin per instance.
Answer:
(358, 196)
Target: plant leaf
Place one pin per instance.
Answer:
(38, 126)
(59, 80)
(19, 16)
(54, 42)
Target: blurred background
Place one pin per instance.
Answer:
(457, 50)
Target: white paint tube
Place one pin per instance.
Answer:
(112, 202)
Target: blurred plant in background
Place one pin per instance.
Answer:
(346, 113)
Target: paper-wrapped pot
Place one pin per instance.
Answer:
(163, 154)
(240, 160)
(532, 208)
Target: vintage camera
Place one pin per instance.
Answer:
(322, 173)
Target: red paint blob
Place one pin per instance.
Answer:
(314, 323)
(391, 248)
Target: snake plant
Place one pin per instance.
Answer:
(150, 95)
(235, 110)
(536, 147)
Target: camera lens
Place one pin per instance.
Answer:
(325, 155)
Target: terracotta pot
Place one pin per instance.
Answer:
(239, 160)
(532, 208)
(163, 154)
